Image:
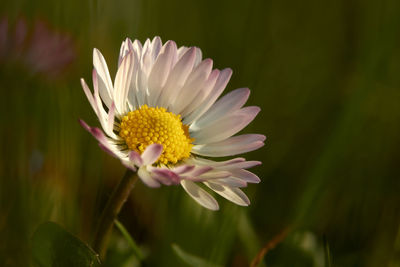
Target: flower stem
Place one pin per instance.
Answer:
(111, 211)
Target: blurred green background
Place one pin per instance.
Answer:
(325, 73)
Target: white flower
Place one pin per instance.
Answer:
(162, 116)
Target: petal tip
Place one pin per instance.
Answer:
(84, 124)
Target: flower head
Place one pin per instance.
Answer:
(162, 117)
(37, 46)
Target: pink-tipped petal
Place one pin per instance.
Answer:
(200, 195)
(231, 182)
(107, 150)
(219, 87)
(151, 154)
(166, 176)
(103, 140)
(84, 125)
(155, 47)
(216, 164)
(181, 51)
(183, 169)
(226, 126)
(232, 194)
(232, 146)
(146, 178)
(236, 163)
(135, 158)
(126, 47)
(226, 105)
(241, 165)
(214, 175)
(199, 94)
(194, 82)
(246, 176)
(96, 132)
(199, 171)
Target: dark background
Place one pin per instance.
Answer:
(325, 73)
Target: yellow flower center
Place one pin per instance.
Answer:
(148, 125)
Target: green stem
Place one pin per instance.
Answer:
(130, 240)
(111, 211)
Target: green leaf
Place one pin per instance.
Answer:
(130, 240)
(190, 259)
(52, 246)
(328, 261)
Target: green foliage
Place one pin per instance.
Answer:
(136, 250)
(53, 246)
(191, 260)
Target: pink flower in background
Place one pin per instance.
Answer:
(38, 47)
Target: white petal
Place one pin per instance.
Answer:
(227, 104)
(231, 146)
(215, 164)
(146, 45)
(126, 47)
(160, 71)
(110, 118)
(156, 45)
(200, 195)
(146, 63)
(241, 165)
(219, 87)
(146, 178)
(137, 48)
(193, 84)
(232, 194)
(231, 182)
(89, 95)
(236, 163)
(199, 56)
(104, 81)
(129, 164)
(106, 143)
(133, 90)
(200, 94)
(226, 126)
(122, 83)
(244, 165)
(214, 175)
(181, 51)
(101, 113)
(151, 154)
(177, 77)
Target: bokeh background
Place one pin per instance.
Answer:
(325, 73)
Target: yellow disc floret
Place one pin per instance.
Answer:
(148, 125)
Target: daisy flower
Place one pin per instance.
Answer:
(162, 118)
